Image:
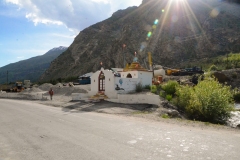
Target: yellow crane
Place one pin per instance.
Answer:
(150, 61)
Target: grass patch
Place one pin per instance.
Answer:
(141, 112)
(166, 116)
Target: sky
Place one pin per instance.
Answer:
(29, 28)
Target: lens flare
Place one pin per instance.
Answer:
(214, 13)
(149, 34)
(156, 22)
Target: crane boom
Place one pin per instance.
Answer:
(150, 61)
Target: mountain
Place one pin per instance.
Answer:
(30, 69)
(173, 31)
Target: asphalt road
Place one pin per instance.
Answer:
(30, 131)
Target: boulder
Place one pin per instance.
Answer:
(166, 104)
(173, 113)
(234, 120)
(221, 77)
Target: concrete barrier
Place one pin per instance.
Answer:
(32, 96)
(136, 99)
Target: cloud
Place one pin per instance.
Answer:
(20, 57)
(74, 14)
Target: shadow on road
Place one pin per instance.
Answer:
(108, 107)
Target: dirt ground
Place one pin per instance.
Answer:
(62, 98)
(143, 111)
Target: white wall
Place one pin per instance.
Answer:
(109, 83)
(126, 84)
(94, 82)
(129, 84)
(146, 78)
(133, 73)
(32, 96)
(137, 99)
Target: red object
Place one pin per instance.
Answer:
(51, 92)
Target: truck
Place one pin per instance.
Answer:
(26, 84)
(18, 87)
(188, 71)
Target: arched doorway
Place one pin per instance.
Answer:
(101, 84)
(129, 75)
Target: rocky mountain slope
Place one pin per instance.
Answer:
(173, 31)
(30, 69)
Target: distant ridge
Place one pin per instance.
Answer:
(30, 69)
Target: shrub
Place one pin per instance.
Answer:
(169, 97)
(170, 87)
(209, 101)
(139, 87)
(154, 89)
(234, 75)
(54, 81)
(162, 94)
(213, 68)
(147, 87)
(165, 116)
(236, 95)
(183, 96)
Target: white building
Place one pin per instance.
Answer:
(106, 82)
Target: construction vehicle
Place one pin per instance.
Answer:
(170, 71)
(184, 72)
(18, 87)
(26, 84)
(188, 71)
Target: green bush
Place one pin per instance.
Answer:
(209, 101)
(139, 87)
(170, 87)
(213, 68)
(236, 95)
(162, 94)
(169, 97)
(154, 89)
(165, 116)
(183, 96)
(147, 87)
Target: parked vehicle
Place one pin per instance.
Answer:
(84, 80)
(189, 71)
(18, 87)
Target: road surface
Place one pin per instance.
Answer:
(30, 131)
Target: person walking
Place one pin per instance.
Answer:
(51, 93)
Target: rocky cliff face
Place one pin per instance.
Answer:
(173, 31)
